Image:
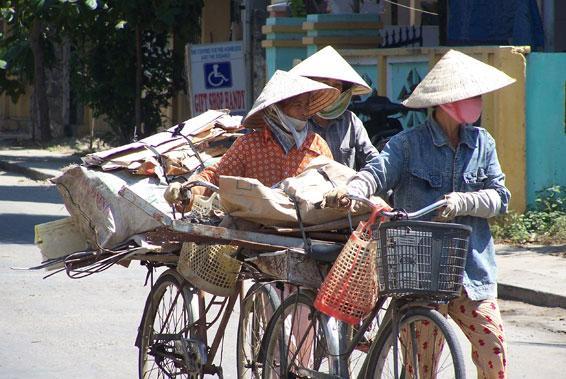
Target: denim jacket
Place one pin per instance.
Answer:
(420, 166)
(348, 140)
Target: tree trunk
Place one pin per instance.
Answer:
(139, 126)
(39, 82)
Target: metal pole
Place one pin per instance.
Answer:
(248, 48)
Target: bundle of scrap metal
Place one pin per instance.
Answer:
(100, 215)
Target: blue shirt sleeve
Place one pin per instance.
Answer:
(495, 176)
(387, 167)
(365, 151)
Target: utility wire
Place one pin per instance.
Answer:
(411, 8)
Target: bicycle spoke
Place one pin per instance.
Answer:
(167, 321)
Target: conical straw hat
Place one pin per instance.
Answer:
(456, 76)
(284, 85)
(327, 63)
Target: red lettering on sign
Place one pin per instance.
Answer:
(232, 100)
(200, 102)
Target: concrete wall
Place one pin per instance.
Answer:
(283, 43)
(546, 122)
(215, 24)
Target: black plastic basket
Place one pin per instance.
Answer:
(421, 259)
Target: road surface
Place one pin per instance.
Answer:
(85, 328)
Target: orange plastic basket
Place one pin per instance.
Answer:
(350, 289)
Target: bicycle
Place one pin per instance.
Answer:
(174, 333)
(409, 275)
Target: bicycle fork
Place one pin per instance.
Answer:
(334, 332)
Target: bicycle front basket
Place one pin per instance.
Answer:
(421, 258)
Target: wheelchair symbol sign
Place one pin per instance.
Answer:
(217, 75)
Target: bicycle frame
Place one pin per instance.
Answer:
(202, 326)
(339, 350)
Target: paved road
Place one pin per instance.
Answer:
(60, 327)
(64, 328)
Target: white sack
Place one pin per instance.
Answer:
(103, 216)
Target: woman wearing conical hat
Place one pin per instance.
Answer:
(281, 144)
(341, 129)
(449, 158)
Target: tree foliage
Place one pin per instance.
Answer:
(103, 38)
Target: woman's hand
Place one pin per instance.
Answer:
(179, 196)
(337, 198)
(483, 203)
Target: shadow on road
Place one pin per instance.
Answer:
(16, 227)
(558, 250)
(42, 162)
(30, 194)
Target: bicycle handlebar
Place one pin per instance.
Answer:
(401, 214)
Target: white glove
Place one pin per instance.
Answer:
(176, 194)
(483, 203)
(362, 184)
(336, 198)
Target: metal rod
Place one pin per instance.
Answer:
(222, 327)
(409, 216)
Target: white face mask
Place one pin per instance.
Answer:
(287, 130)
(294, 123)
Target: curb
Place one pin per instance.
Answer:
(27, 172)
(542, 299)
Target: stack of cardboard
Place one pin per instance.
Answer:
(90, 191)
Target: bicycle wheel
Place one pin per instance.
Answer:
(258, 306)
(438, 353)
(294, 343)
(165, 334)
(360, 351)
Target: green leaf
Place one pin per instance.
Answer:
(3, 64)
(92, 4)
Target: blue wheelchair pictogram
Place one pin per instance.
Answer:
(217, 75)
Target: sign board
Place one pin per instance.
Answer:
(217, 77)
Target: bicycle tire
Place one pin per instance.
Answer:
(380, 358)
(276, 349)
(171, 297)
(258, 306)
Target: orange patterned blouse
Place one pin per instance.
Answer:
(257, 155)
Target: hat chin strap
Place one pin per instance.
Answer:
(338, 107)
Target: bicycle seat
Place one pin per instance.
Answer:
(324, 251)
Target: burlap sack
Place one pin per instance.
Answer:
(101, 215)
(248, 199)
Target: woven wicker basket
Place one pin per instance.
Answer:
(210, 268)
